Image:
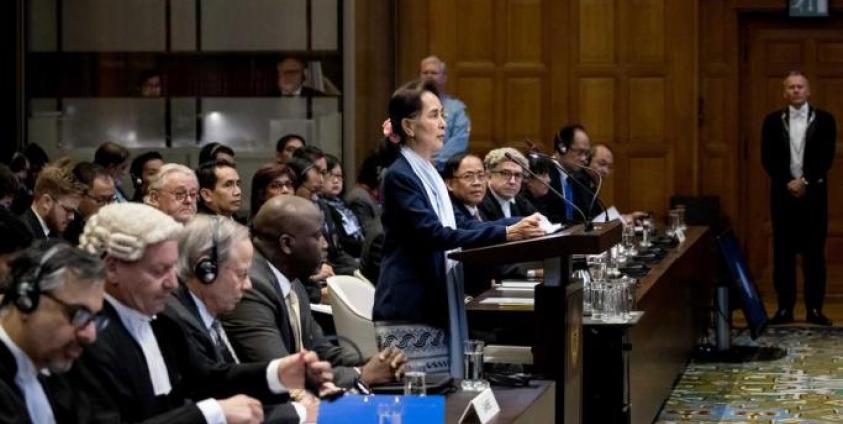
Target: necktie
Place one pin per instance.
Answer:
(569, 195)
(224, 351)
(292, 301)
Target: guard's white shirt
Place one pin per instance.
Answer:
(37, 405)
(798, 125)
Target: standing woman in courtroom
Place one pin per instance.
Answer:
(419, 305)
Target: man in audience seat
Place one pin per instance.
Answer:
(174, 191)
(50, 312)
(219, 189)
(145, 366)
(99, 191)
(213, 267)
(505, 179)
(56, 197)
(274, 318)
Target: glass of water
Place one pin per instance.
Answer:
(414, 381)
(473, 362)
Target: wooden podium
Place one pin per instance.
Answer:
(558, 303)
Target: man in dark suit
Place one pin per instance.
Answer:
(274, 318)
(502, 201)
(48, 315)
(571, 149)
(56, 197)
(797, 150)
(99, 191)
(214, 259)
(145, 368)
(290, 79)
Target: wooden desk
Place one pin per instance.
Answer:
(521, 405)
(674, 295)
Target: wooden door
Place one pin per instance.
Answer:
(771, 48)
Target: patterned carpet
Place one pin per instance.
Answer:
(806, 386)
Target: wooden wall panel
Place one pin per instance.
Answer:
(478, 42)
(624, 68)
(596, 31)
(524, 37)
(597, 107)
(646, 110)
(830, 52)
(645, 38)
(523, 100)
(474, 91)
(649, 172)
(785, 52)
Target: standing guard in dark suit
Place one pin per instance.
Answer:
(213, 267)
(50, 312)
(144, 365)
(274, 318)
(797, 150)
(505, 177)
(55, 199)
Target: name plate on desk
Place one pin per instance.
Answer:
(481, 409)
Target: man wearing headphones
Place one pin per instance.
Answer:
(49, 313)
(145, 366)
(571, 149)
(213, 267)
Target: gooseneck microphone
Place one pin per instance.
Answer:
(534, 150)
(594, 193)
(587, 224)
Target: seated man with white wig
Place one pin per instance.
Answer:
(174, 191)
(213, 268)
(144, 367)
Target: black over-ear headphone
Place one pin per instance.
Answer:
(206, 269)
(26, 292)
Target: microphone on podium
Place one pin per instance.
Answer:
(587, 224)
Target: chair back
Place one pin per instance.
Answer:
(352, 301)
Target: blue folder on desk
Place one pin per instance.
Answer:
(364, 409)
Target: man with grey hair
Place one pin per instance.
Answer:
(797, 151)
(143, 364)
(174, 190)
(458, 126)
(49, 313)
(213, 266)
(506, 175)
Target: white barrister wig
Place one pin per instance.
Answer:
(123, 230)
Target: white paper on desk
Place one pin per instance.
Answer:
(507, 301)
(518, 284)
(547, 226)
(613, 215)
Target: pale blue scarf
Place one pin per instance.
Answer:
(437, 194)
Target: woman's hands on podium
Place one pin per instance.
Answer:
(526, 228)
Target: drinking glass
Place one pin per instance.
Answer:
(473, 363)
(598, 292)
(414, 382)
(628, 241)
(682, 225)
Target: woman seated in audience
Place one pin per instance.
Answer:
(419, 298)
(270, 180)
(348, 228)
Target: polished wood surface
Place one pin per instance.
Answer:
(569, 241)
(531, 404)
(626, 70)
